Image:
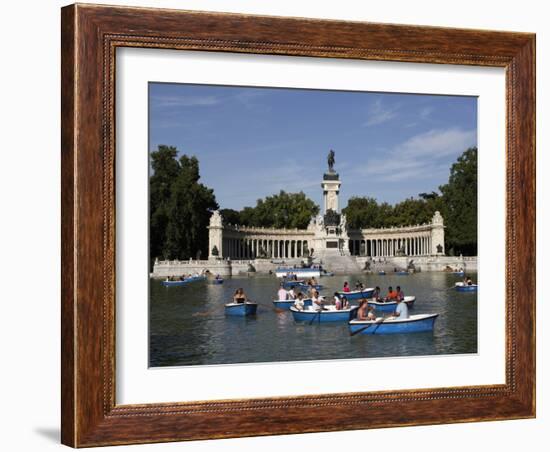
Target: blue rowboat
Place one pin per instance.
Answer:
(325, 273)
(291, 284)
(389, 306)
(357, 294)
(419, 323)
(328, 315)
(458, 273)
(286, 304)
(217, 281)
(307, 286)
(184, 282)
(382, 273)
(402, 273)
(175, 283)
(307, 272)
(461, 287)
(241, 309)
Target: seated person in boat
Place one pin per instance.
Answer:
(299, 302)
(313, 281)
(239, 296)
(392, 295)
(359, 285)
(402, 310)
(400, 293)
(376, 294)
(291, 294)
(218, 277)
(316, 301)
(282, 293)
(346, 287)
(365, 312)
(337, 301)
(182, 278)
(468, 281)
(345, 303)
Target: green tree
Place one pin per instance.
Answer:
(180, 206)
(189, 210)
(230, 216)
(460, 205)
(164, 170)
(283, 210)
(363, 212)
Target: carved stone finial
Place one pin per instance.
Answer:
(216, 220)
(437, 218)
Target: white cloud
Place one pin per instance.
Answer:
(379, 114)
(419, 156)
(185, 101)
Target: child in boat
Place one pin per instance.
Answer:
(376, 294)
(346, 287)
(299, 302)
(400, 293)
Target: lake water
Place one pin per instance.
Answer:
(188, 325)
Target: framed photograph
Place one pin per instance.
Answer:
(270, 221)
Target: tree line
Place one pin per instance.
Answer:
(457, 202)
(180, 208)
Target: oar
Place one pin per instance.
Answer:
(315, 316)
(360, 330)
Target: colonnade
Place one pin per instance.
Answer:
(250, 248)
(420, 245)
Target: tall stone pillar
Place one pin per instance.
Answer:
(437, 235)
(215, 236)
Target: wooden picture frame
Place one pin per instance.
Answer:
(90, 36)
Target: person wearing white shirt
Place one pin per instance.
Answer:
(299, 302)
(402, 310)
(291, 294)
(316, 301)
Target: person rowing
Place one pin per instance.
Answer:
(402, 310)
(299, 302)
(317, 301)
(365, 312)
(376, 294)
(239, 296)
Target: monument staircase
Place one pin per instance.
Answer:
(338, 261)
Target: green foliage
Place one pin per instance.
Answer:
(460, 206)
(283, 210)
(180, 206)
(457, 203)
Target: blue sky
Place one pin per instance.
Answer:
(253, 142)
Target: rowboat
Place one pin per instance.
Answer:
(217, 281)
(461, 287)
(241, 309)
(307, 272)
(184, 282)
(357, 294)
(286, 304)
(291, 284)
(402, 273)
(381, 272)
(328, 314)
(389, 306)
(325, 273)
(419, 323)
(458, 273)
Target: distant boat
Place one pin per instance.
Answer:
(184, 282)
(286, 304)
(329, 314)
(290, 283)
(461, 287)
(394, 325)
(402, 273)
(459, 273)
(381, 272)
(241, 309)
(357, 294)
(217, 280)
(389, 306)
(325, 273)
(306, 272)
